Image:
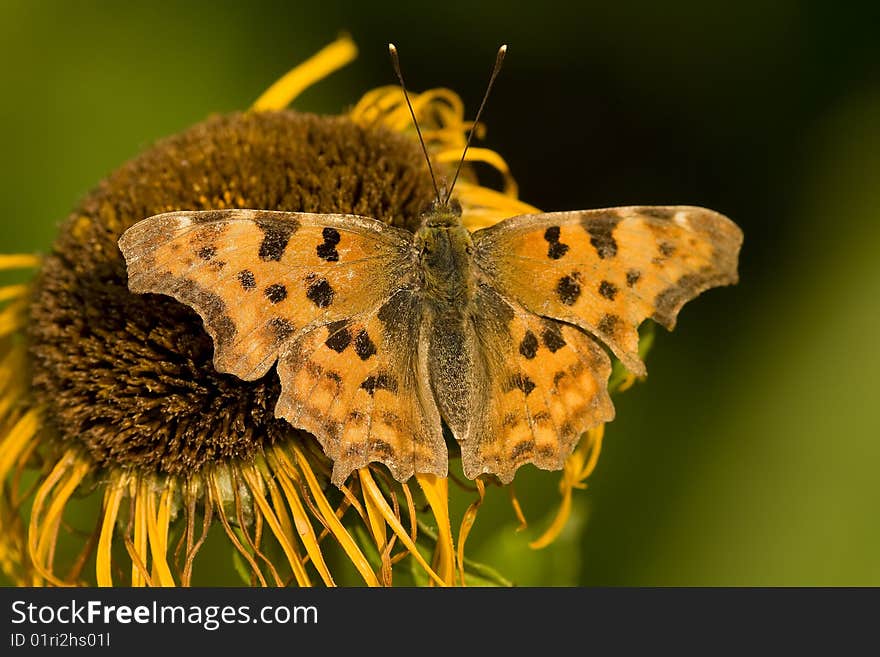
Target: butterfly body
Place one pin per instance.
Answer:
(380, 334)
(443, 248)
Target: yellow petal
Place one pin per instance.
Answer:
(18, 261)
(157, 532)
(333, 524)
(286, 541)
(436, 491)
(327, 60)
(371, 491)
(486, 156)
(217, 500)
(15, 441)
(467, 522)
(12, 292)
(578, 467)
(112, 499)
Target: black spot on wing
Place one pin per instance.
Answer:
(522, 449)
(207, 252)
(541, 417)
(555, 248)
(608, 324)
(601, 230)
(522, 382)
(276, 235)
(510, 420)
(320, 293)
(567, 429)
(276, 293)
(338, 336)
(363, 346)
(247, 280)
(552, 337)
(379, 382)
(666, 249)
(608, 290)
(281, 328)
(381, 447)
(529, 345)
(327, 251)
(569, 289)
(632, 277)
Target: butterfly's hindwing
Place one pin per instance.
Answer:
(358, 386)
(546, 385)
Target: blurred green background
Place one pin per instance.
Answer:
(750, 456)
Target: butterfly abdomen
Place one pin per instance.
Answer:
(447, 291)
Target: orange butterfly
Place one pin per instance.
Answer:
(380, 334)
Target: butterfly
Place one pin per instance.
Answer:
(381, 336)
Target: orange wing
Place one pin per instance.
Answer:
(356, 385)
(547, 385)
(295, 287)
(606, 271)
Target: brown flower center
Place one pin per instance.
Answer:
(129, 376)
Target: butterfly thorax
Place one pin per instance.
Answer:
(444, 250)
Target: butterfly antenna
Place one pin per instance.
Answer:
(499, 60)
(395, 61)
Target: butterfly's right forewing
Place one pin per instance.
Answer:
(607, 271)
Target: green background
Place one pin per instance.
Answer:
(750, 455)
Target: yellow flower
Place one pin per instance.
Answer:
(109, 401)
